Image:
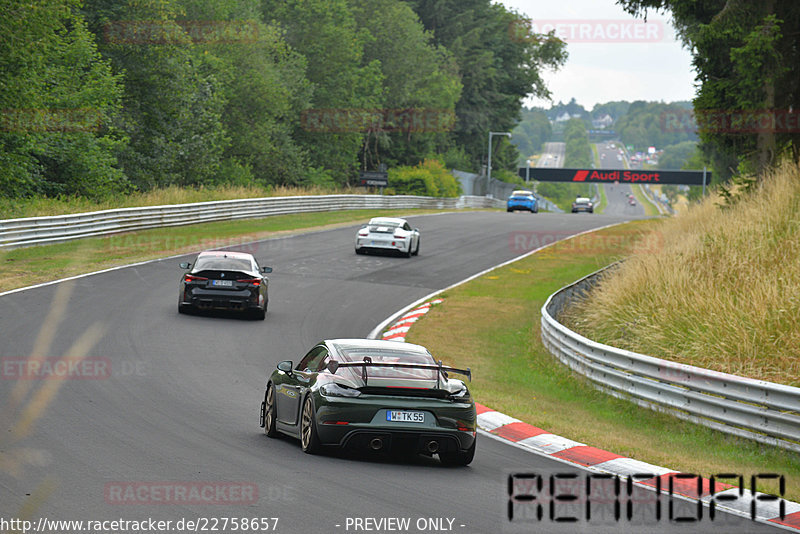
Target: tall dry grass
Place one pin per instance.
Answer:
(721, 290)
(43, 206)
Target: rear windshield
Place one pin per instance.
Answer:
(357, 355)
(223, 264)
(524, 197)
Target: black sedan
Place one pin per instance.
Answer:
(225, 280)
(372, 395)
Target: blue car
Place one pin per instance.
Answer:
(522, 200)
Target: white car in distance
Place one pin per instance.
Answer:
(388, 234)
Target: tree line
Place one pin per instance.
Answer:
(102, 97)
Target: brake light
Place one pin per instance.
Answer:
(193, 278)
(252, 281)
(363, 234)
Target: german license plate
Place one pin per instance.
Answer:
(222, 283)
(405, 416)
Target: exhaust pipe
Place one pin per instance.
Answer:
(432, 446)
(376, 444)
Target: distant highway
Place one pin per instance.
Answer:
(617, 194)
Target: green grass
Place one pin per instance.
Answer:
(43, 206)
(641, 198)
(492, 324)
(26, 266)
(603, 202)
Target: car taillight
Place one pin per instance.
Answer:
(399, 236)
(252, 281)
(363, 234)
(193, 278)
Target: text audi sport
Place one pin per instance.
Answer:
(225, 280)
(372, 395)
(388, 234)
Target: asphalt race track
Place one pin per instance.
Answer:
(617, 193)
(180, 403)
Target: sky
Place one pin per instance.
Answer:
(610, 58)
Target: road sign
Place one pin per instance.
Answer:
(608, 176)
(374, 178)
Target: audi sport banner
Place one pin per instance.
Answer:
(626, 176)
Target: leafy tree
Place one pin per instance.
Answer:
(344, 87)
(744, 54)
(531, 133)
(418, 77)
(578, 152)
(58, 99)
(173, 100)
(500, 62)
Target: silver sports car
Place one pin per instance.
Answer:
(388, 234)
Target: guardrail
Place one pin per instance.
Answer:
(15, 233)
(755, 409)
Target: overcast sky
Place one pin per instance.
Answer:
(610, 58)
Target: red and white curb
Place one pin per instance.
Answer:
(398, 331)
(733, 499)
(737, 500)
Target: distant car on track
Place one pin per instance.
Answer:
(226, 280)
(582, 204)
(522, 200)
(372, 395)
(632, 202)
(388, 234)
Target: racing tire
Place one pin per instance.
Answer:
(360, 251)
(408, 253)
(508, 211)
(259, 313)
(309, 439)
(270, 417)
(458, 458)
(416, 250)
(184, 308)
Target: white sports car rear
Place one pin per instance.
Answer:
(388, 234)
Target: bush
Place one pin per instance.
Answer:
(429, 178)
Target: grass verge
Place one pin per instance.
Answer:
(718, 288)
(603, 202)
(44, 206)
(641, 198)
(27, 266)
(492, 324)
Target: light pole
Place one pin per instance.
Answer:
(489, 163)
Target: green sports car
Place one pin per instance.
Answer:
(372, 395)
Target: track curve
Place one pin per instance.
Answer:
(181, 401)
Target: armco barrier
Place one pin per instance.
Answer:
(30, 231)
(755, 409)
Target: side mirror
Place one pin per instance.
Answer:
(333, 366)
(266, 269)
(416, 229)
(285, 366)
(185, 265)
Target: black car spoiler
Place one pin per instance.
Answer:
(333, 366)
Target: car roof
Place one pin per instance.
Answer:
(582, 199)
(349, 344)
(392, 220)
(225, 254)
